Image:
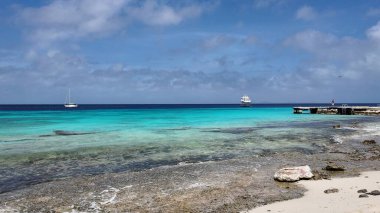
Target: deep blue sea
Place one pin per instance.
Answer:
(43, 142)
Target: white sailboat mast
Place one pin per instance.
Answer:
(70, 104)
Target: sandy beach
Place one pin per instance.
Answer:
(345, 200)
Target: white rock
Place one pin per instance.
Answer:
(292, 174)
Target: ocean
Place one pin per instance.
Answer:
(40, 143)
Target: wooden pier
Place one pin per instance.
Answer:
(338, 110)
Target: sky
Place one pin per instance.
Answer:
(189, 51)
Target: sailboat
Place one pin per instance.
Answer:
(70, 104)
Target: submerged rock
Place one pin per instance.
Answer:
(238, 130)
(369, 142)
(334, 167)
(332, 190)
(292, 174)
(66, 133)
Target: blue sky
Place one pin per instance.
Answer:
(147, 51)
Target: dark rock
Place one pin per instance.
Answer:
(369, 142)
(336, 126)
(362, 191)
(334, 167)
(319, 175)
(374, 192)
(332, 190)
(363, 195)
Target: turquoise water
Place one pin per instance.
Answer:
(113, 140)
(28, 131)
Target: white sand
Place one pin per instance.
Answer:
(346, 200)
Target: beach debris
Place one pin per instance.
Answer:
(363, 195)
(332, 190)
(374, 192)
(336, 139)
(369, 142)
(362, 191)
(292, 174)
(331, 166)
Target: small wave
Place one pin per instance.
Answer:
(17, 140)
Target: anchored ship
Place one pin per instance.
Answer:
(245, 101)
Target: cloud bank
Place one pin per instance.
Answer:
(165, 62)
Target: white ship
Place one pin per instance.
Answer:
(70, 104)
(245, 101)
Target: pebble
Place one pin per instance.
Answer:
(374, 192)
(332, 190)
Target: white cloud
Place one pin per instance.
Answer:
(311, 40)
(335, 62)
(213, 42)
(267, 3)
(154, 14)
(217, 41)
(50, 73)
(328, 47)
(71, 19)
(306, 13)
(250, 40)
(374, 32)
(373, 12)
(61, 20)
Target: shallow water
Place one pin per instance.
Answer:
(38, 146)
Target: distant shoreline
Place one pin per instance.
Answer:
(53, 107)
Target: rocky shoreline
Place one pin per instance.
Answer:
(215, 186)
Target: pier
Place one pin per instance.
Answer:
(338, 110)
